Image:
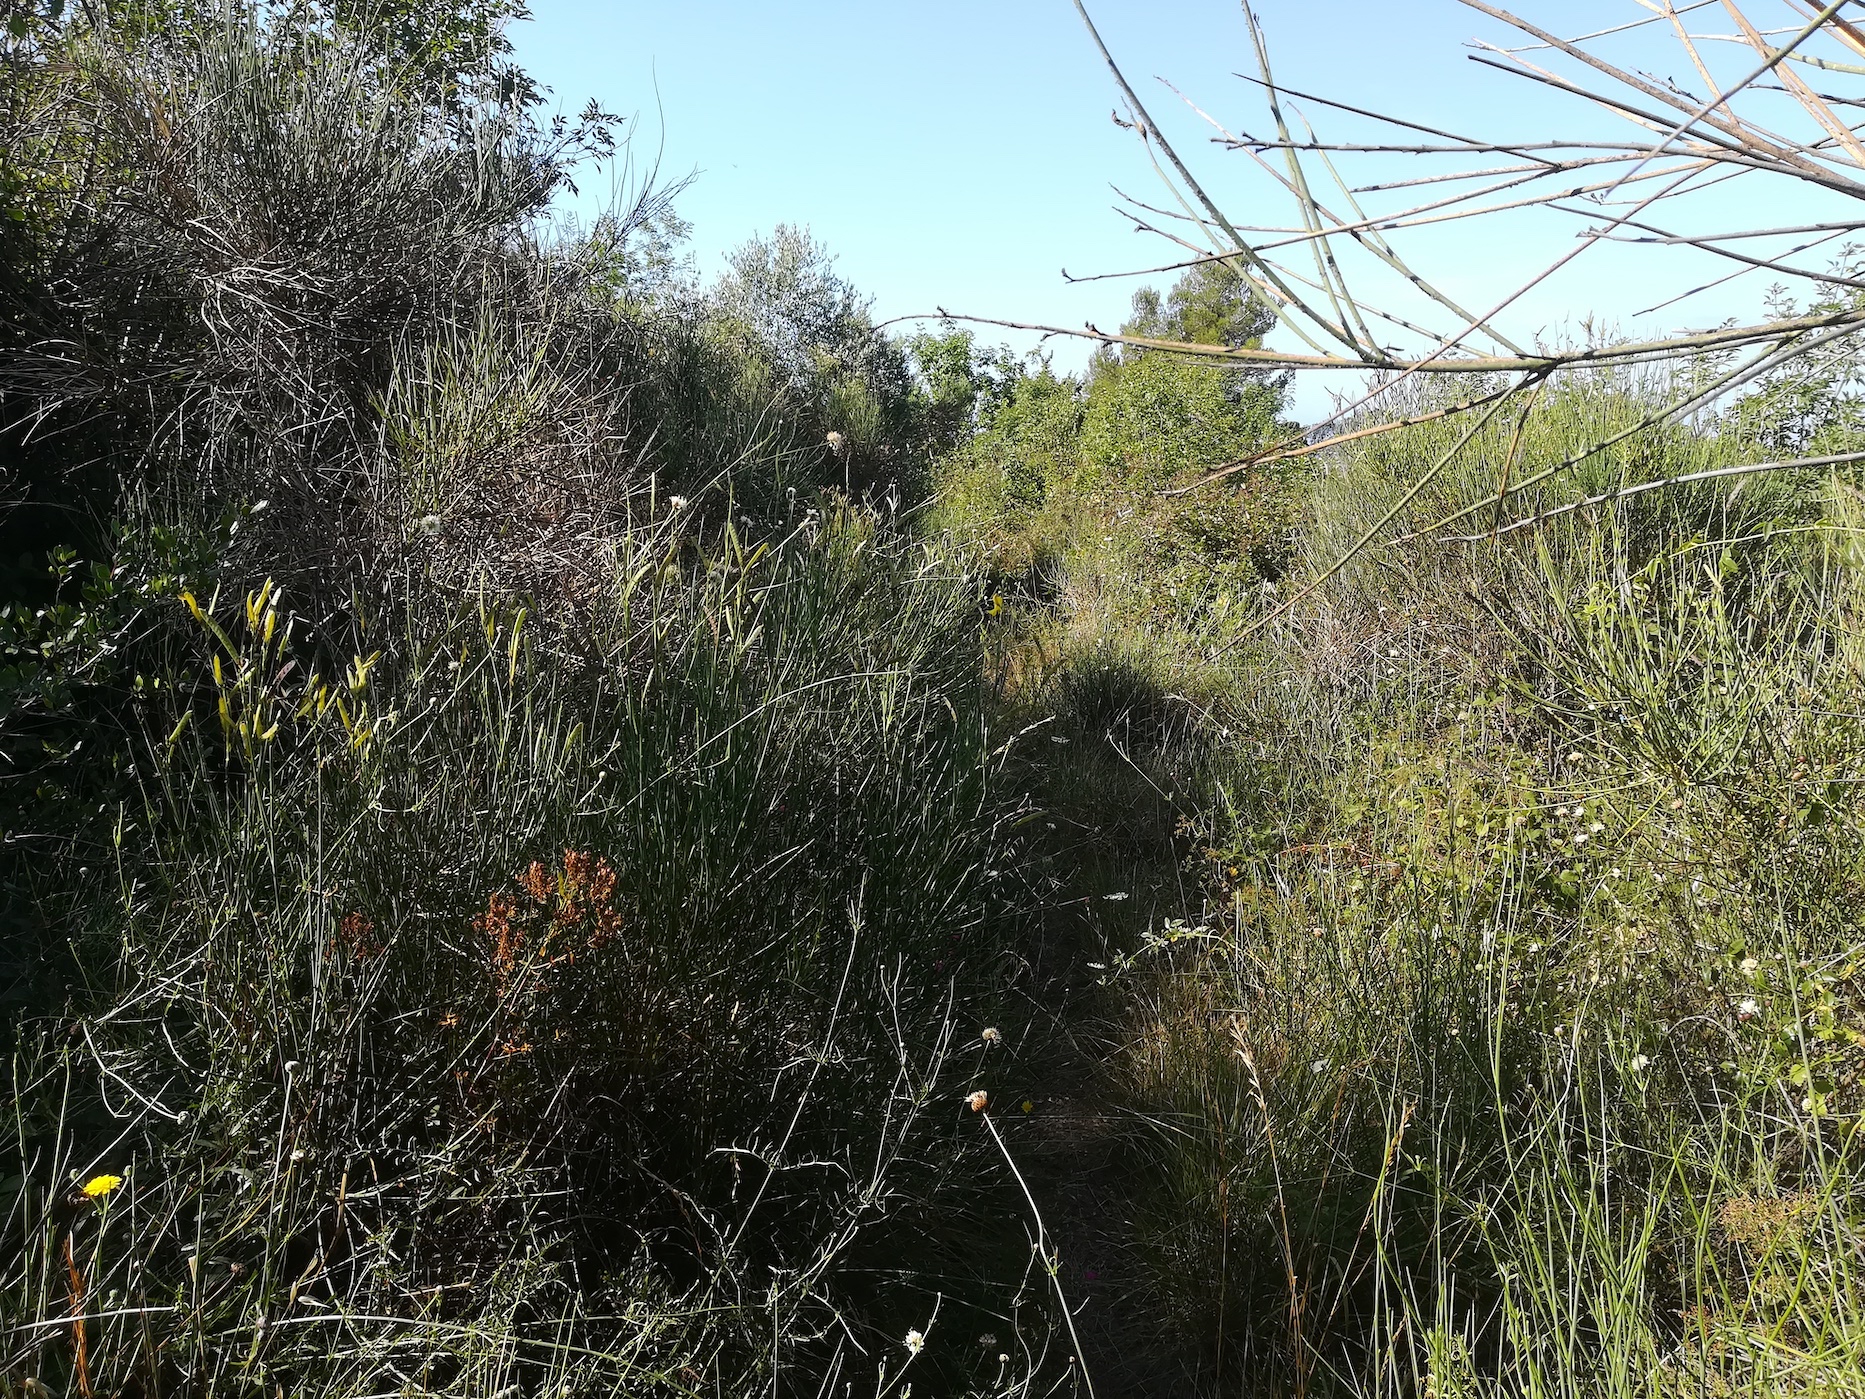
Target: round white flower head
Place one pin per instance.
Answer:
(1750, 1006)
(1640, 1062)
(676, 503)
(916, 1342)
(429, 526)
(992, 1036)
(1750, 966)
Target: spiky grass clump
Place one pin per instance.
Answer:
(478, 1013)
(1517, 1050)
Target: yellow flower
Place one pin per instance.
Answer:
(99, 1186)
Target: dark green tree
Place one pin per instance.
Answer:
(1208, 305)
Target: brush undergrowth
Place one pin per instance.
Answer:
(526, 854)
(508, 865)
(480, 1013)
(1510, 1043)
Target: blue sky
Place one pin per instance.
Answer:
(960, 154)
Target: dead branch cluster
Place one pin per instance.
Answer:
(1760, 121)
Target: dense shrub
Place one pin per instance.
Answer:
(531, 867)
(1507, 1051)
(551, 838)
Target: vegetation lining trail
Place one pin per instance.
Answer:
(541, 798)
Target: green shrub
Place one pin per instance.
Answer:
(1153, 419)
(518, 1015)
(1510, 1049)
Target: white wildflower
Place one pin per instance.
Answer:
(916, 1342)
(429, 526)
(1640, 1062)
(1750, 1006)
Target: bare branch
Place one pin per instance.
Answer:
(1629, 352)
(1644, 487)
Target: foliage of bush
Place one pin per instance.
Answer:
(518, 826)
(1514, 1047)
(1064, 484)
(517, 858)
(533, 1000)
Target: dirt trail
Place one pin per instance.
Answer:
(1122, 874)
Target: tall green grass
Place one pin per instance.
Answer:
(674, 1111)
(1515, 1049)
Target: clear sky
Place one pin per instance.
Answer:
(960, 154)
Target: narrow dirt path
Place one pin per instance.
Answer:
(1119, 869)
